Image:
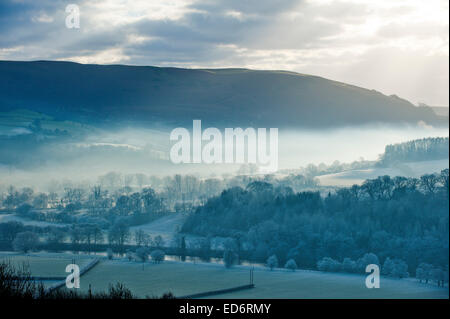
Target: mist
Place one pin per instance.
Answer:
(300, 148)
(131, 150)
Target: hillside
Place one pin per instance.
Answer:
(117, 93)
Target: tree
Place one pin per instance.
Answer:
(97, 235)
(388, 267)
(12, 199)
(123, 205)
(40, 201)
(158, 241)
(139, 237)
(272, 262)
(119, 233)
(291, 264)
(109, 254)
(135, 203)
(182, 246)
(400, 269)
(89, 233)
(423, 272)
(348, 265)
(370, 188)
(73, 195)
(389, 222)
(23, 209)
(259, 187)
(157, 256)
(443, 179)
(152, 204)
(9, 230)
(25, 241)
(96, 200)
(147, 241)
(367, 259)
(428, 182)
(420, 274)
(446, 276)
(142, 253)
(76, 234)
(26, 195)
(438, 275)
(56, 236)
(229, 258)
(129, 255)
(329, 264)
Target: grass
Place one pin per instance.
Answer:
(51, 265)
(413, 169)
(187, 278)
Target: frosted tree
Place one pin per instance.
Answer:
(291, 264)
(272, 262)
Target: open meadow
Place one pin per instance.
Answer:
(182, 279)
(45, 264)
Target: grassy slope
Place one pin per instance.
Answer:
(188, 278)
(167, 227)
(5, 218)
(50, 265)
(172, 95)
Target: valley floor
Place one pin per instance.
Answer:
(189, 278)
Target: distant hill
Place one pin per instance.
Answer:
(440, 110)
(117, 93)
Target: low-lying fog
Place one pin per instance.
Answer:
(140, 150)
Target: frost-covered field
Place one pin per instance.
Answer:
(45, 264)
(168, 228)
(415, 169)
(5, 218)
(188, 278)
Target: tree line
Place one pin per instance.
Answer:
(425, 149)
(403, 222)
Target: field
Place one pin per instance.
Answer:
(168, 226)
(5, 218)
(45, 265)
(415, 169)
(183, 279)
(189, 278)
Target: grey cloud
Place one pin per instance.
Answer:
(207, 36)
(258, 7)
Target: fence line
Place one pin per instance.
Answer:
(217, 292)
(83, 270)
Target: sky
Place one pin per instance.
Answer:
(393, 46)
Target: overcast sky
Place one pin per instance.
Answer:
(393, 46)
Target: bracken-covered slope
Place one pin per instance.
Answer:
(117, 93)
